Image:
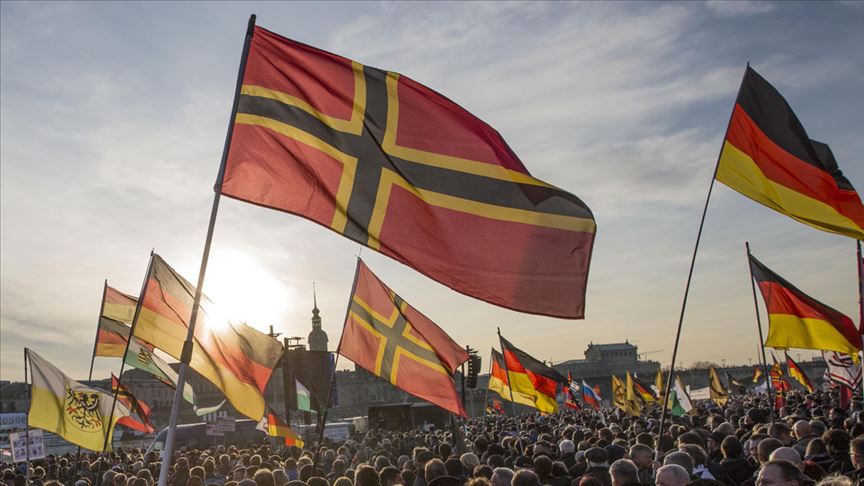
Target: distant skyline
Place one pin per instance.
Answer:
(113, 118)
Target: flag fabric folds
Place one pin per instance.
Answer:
(644, 391)
(530, 376)
(118, 311)
(841, 370)
(274, 426)
(735, 386)
(395, 166)
(717, 391)
(78, 413)
(394, 341)
(570, 393)
(795, 371)
(658, 383)
(590, 396)
(304, 398)
(768, 157)
(796, 320)
(679, 402)
(757, 373)
(236, 358)
(135, 406)
(623, 397)
(499, 383)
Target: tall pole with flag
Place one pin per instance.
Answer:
(860, 267)
(168, 451)
(759, 327)
(671, 375)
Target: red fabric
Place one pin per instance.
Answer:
(784, 168)
(361, 345)
(535, 269)
(781, 300)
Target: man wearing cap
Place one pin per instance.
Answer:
(598, 466)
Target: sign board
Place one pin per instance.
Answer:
(225, 424)
(18, 440)
(212, 431)
(13, 421)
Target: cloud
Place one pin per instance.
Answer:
(735, 8)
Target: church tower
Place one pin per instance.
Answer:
(317, 338)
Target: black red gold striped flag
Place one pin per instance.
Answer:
(795, 371)
(531, 377)
(796, 320)
(768, 157)
(236, 358)
(499, 383)
(118, 310)
(395, 166)
(384, 335)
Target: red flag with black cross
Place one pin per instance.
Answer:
(392, 340)
(395, 166)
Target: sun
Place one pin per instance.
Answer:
(244, 291)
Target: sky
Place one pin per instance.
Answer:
(113, 118)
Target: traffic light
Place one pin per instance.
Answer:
(473, 369)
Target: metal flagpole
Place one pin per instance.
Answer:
(186, 354)
(512, 403)
(486, 396)
(860, 305)
(761, 339)
(27, 424)
(92, 361)
(671, 375)
(109, 428)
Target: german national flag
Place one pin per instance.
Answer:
(236, 358)
(389, 163)
(392, 340)
(530, 376)
(796, 320)
(795, 371)
(118, 311)
(768, 157)
(644, 391)
(499, 384)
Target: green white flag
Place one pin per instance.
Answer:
(304, 398)
(679, 402)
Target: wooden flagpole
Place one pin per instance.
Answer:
(671, 375)
(761, 339)
(186, 355)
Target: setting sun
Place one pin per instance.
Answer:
(243, 291)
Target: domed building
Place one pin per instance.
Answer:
(317, 338)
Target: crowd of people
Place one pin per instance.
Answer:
(808, 441)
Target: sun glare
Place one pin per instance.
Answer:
(243, 291)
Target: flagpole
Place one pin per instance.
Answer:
(27, 424)
(761, 339)
(486, 397)
(92, 361)
(109, 427)
(323, 416)
(512, 403)
(690, 272)
(860, 304)
(186, 355)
